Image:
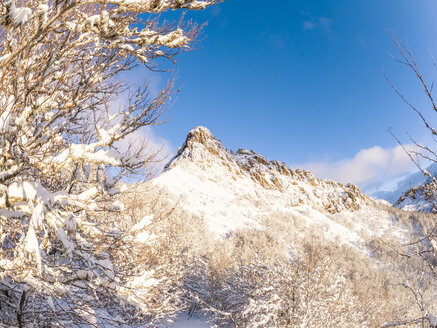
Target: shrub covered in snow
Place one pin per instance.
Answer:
(316, 288)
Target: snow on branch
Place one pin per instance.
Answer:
(66, 252)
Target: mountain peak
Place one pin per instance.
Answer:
(199, 134)
(231, 190)
(199, 144)
(202, 157)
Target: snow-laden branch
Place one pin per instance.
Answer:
(67, 253)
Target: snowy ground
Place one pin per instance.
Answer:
(183, 321)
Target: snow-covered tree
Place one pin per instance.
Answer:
(421, 152)
(67, 252)
(423, 249)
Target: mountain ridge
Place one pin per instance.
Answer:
(270, 174)
(233, 190)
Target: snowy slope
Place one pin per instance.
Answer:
(234, 190)
(229, 191)
(421, 199)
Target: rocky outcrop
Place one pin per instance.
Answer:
(422, 199)
(203, 150)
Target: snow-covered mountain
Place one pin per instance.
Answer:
(236, 190)
(415, 192)
(405, 184)
(238, 212)
(422, 198)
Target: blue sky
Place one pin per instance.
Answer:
(302, 82)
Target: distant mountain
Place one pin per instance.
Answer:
(404, 185)
(422, 199)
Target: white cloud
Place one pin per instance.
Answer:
(366, 167)
(308, 25)
(325, 23)
(311, 24)
(157, 147)
(215, 11)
